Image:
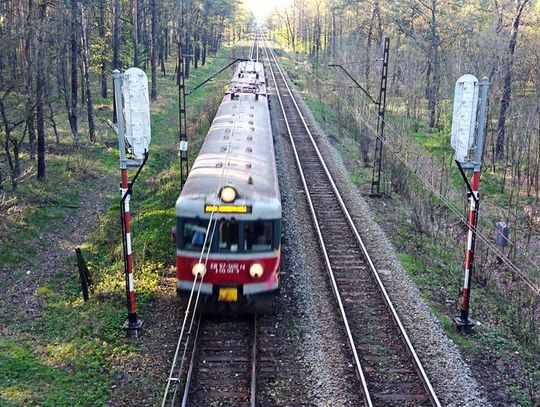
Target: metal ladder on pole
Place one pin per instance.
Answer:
(377, 166)
(182, 121)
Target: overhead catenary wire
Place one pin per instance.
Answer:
(198, 284)
(521, 274)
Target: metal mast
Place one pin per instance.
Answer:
(182, 120)
(376, 176)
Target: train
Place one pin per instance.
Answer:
(228, 214)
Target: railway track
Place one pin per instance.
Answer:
(388, 368)
(223, 363)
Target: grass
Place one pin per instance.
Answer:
(64, 357)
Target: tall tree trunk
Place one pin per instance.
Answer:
(163, 52)
(101, 32)
(28, 52)
(187, 48)
(196, 52)
(434, 75)
(204, 45)
(40, 84)
(135, 8)
(115, 47)
(7, 130)
(371, 26)
(74, 70)
(154, 49)
(507, 84)
(86, 70)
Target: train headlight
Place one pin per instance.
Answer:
(228, 194)
(199, 270)
(256, 270)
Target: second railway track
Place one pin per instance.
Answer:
(389, 370)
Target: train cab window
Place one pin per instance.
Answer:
(228, 235)
(258, 236)
(195, 234)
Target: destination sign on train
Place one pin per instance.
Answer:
(227, 208)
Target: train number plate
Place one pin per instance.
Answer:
(228, 294)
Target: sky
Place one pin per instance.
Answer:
(261, 8)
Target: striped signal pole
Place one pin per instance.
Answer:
(133, 325)
(128, 255)
(463, 320)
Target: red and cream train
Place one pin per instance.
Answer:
(228, 215)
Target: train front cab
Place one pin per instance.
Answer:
(242, 271)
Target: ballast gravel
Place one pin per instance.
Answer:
(316, 370)
(324, 354)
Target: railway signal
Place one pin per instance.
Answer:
(134, 135)
(466, 135)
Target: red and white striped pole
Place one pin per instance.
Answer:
(130, 289)
(463, 321)
(132, 325)
(474, 204)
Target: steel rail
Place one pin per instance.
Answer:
(253, 397)
(418, 365)
(359, 369)
(193, 363)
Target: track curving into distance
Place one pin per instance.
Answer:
(389, 371)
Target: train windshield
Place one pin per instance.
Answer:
(228, 235)
(195, 234)
(258, 236)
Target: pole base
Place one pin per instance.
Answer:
(133, 329)
(463, 325)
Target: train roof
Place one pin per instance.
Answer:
(238, 151)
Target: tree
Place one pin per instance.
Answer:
(86, 72)
(507, 86)
(40, 103)
(154, 49)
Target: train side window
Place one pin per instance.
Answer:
(228, 235)
(194, 234)
(258, 236)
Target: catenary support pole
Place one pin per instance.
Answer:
(132, 325)
(379, 141)
(182, 118)
(463, 320)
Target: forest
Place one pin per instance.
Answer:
(57, 138)
(53, 52)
